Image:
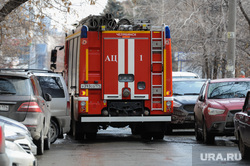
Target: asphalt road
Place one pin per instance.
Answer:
(118, 147)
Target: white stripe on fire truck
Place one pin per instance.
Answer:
(121, 64)
(82, 99)
(168, 98)
(131, 64)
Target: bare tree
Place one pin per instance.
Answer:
(9, 7)
(199, 29)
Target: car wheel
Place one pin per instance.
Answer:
(198, 135)
(244, 150)
(208, 138)
(47, 141)
(40, 144)
(54, 131)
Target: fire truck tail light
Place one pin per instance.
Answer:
(83, 103)
(141, 85)
(168, 93)
(169, 103)
(84, 31)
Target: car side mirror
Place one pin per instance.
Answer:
(53, 56)
(47, 97)
(200, 98)
(248, 110)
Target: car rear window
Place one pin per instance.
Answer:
(224, 90)
(15, 86)
(51, 85)
(187, 87)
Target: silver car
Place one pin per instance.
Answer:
(54, 84)
(16, 146)
(22, 99)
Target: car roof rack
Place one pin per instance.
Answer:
(28, 70)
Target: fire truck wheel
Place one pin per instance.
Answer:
(91, 136)
(159, 135)
(135, 130)
(146, 136)
(77, 131)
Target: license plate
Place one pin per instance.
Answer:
(91, 86)
(4, 108)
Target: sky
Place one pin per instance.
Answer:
(78, 10)
(85, 9)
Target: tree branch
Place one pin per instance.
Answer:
(9, 7)
(244, 13)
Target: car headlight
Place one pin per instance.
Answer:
(176, 104)
(12, 146)
(215, 111)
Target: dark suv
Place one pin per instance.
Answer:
(185, 93)
(21, 99)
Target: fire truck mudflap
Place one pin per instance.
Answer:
(119, 77)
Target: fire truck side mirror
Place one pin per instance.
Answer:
(53, 66)
(53, 56)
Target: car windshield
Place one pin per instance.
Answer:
(187, 87)
(51, 85)
(224, 90)
(14, 86)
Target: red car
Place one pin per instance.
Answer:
(216, 105)
(242, 128)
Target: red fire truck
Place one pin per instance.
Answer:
(119, 74)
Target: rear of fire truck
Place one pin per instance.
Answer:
(119, 74)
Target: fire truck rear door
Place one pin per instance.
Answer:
(126, 65)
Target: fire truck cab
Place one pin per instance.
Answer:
(119, 74)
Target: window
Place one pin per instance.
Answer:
(52, 86)
(187, 87)
(224, 90)
(14, 86)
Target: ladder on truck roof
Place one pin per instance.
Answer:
(157, 51)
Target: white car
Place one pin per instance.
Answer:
(16, 146)
(182, 74)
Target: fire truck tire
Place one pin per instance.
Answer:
(135, 130)
(77, 131)
(91, 136)
(169, 130)
(159, 135)
(147, 136)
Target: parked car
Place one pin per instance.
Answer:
(16, 146)
(242, 128)
(182, 74)
(217, 103)
(21, 99)
(55, 85)
(185, 93)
